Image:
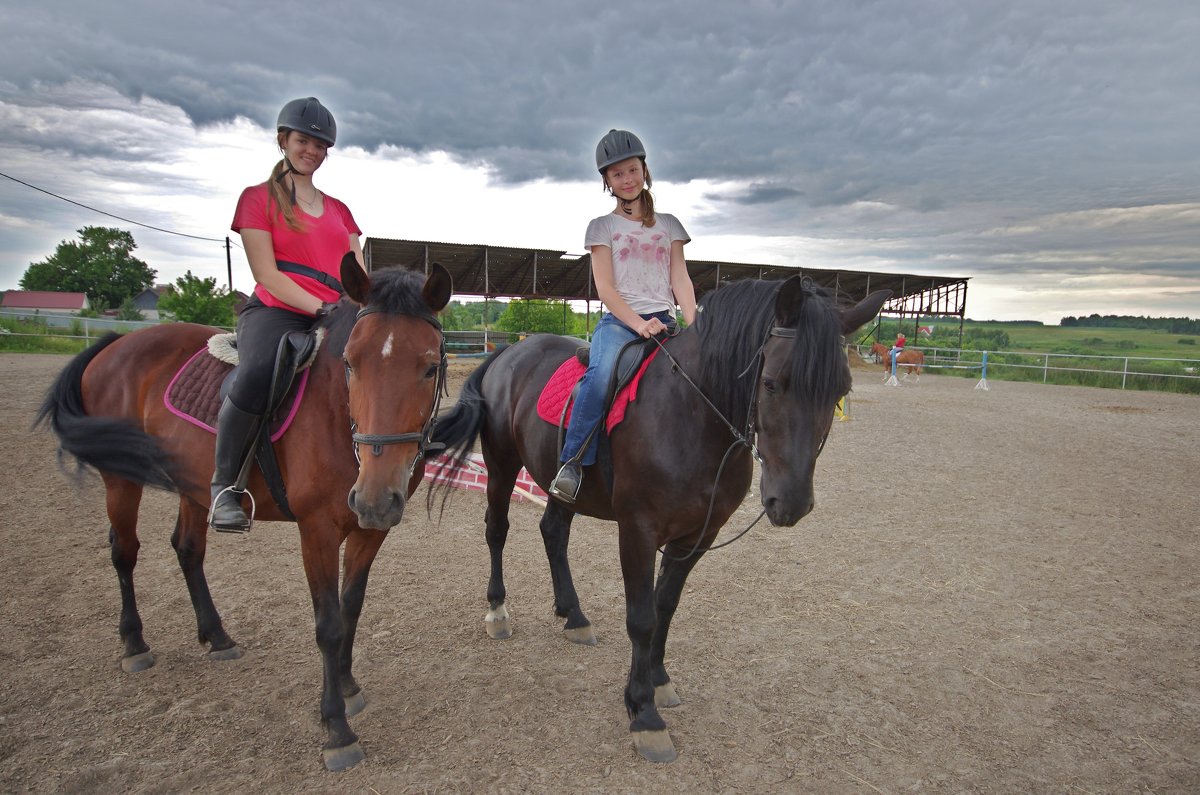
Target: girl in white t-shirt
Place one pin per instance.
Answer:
(640, 274)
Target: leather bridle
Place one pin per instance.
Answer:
(379, 440)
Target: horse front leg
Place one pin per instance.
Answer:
(501, 480)
(320, 553)
(190, 542)
(361, 548)
(122, 500)
(556, 535)
(678, 561)
(650, 735)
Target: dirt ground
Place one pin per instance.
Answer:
(997, 592)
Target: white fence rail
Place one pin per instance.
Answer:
(1125, 372)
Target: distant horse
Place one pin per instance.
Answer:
(376, 375)
(907, 357)
(757, 376)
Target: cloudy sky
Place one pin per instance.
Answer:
(1048, 151)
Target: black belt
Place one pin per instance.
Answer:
(312, 273)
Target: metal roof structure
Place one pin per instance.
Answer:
(503, 271)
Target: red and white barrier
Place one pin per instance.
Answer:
(474, 476)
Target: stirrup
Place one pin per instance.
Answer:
(560, 490)
(249, 516)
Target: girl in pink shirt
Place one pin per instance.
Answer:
(295, 237)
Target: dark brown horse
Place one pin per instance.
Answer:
(378, 373)
(758, 375)
(911, 358)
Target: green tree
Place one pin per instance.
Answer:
(129, 311)
(535, 314)
(100, 264)
(196, 300)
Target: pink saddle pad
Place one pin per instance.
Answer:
(558, 389)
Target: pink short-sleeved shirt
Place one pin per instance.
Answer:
(321, 245)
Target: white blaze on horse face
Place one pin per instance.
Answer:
(387, 346)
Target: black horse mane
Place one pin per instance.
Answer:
(733, 324)
(394, 291)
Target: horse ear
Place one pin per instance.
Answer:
(438, 288)
(788, 301)
(355, 280)
(857, 315)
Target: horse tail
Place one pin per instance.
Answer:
(458, 429)
(110, 445)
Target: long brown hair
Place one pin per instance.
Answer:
(647, 197)
(278, 194)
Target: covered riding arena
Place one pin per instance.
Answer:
(997, 591)
(508, 272)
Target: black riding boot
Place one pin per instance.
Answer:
(237, 433)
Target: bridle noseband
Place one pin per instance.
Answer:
(379, 440)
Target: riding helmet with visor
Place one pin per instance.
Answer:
(308, 116)
(616, 146)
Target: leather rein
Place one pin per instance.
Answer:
(741, 438)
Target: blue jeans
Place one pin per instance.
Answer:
(609, 336)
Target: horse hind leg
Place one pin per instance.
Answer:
(122, 499)
(190, 541)
(556, 535)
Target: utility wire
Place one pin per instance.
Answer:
(110, 215)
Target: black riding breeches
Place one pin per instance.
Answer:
(259, 330)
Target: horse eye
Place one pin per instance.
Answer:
(769, 385)
(432, 371)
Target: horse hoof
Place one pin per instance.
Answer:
(137, 662)
(220, 655)
(355, 704)
(665, 696)
(655, 746)
(497, 623)
(338, 759)
(584, 636)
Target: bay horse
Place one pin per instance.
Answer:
(377, 375)
(757, 376)
(911, 358)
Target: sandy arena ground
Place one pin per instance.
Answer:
(997, 592)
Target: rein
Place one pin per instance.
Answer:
(740, 438)
(379, 440)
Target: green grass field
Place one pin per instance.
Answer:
(1095, 341)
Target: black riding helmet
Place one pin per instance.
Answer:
(307, 115)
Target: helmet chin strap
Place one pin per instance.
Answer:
(289, 170)
(627, 204)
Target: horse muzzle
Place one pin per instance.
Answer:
(379, 511)
(785, 507)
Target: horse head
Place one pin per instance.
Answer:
(804, 374)
(395, 366)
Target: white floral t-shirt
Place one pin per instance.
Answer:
(641, 258)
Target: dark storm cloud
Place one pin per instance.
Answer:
(922, 132)
(849, 101)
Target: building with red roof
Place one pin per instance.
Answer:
(45, 302)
